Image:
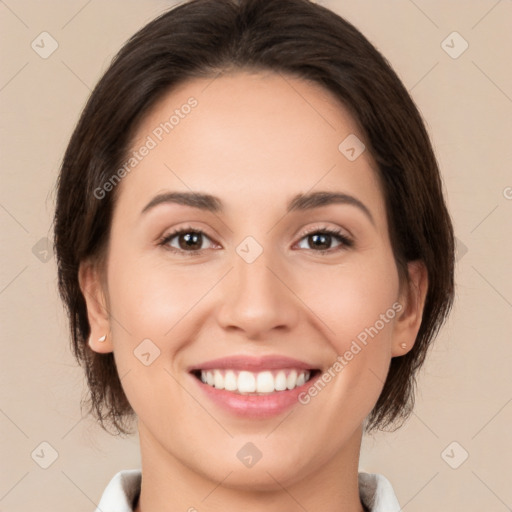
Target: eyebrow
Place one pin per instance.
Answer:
(300, 202)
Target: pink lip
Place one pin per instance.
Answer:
(254, 364)
(254, 406)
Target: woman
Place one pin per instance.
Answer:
(255, 254)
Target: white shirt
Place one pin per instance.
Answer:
(374, 489)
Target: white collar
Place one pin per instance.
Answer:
(375, 490)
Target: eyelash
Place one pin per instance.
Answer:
(338, 234)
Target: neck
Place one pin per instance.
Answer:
(170, 484)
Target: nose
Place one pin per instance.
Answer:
(257, 298)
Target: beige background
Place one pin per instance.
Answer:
(465, 391)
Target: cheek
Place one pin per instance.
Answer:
(352, 299)
(155, 297)
(357, 319)
(150, 310)
(358, 310)
(357, 313)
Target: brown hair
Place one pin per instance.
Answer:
(202, 38)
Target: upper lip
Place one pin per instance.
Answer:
(251, 363)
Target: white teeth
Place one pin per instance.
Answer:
(218, 380)
(280, 381)
(230, 381)
(260, 382)
(291, 381)
(246, 382)
(265, 382)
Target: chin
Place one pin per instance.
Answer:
(267, 474)
(269, 478)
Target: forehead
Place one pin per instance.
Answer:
(250, 138)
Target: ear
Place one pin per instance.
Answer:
(90, 282)
(412, 300)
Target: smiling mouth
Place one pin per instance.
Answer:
(255, 383)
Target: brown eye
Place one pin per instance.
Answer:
(185, 240)
(322, 240)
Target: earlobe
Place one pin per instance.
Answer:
(97, 311)
(413, 300)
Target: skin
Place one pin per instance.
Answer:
(254, 140)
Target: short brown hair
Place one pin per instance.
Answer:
(202, 38)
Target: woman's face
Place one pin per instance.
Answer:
(253, 290)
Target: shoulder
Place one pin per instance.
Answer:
(121, 491)
(377, 493)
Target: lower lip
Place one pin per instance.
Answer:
(255, 406)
